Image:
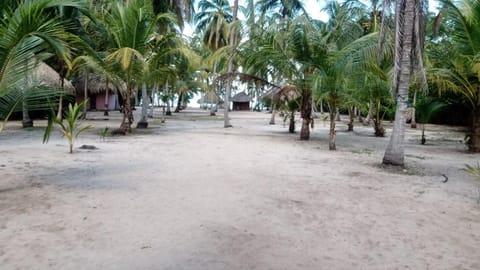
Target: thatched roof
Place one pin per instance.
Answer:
(245, 78)
(210, 98)
(272, 92)
(96, 83)
(278, 93)
(241, 97)
(44, 75)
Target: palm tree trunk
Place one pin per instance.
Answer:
(272, 118)
(367, 119)
(26, 120)
(291, 126)
(404, 49)
(377, 121)
(337, 115)
(233, 41)
(473, 142)
(413, 123)
(127, 120)
(143, 123)
(167, 91)
(179, 102)
(213, 109)
(106, 99)
(306, 108)
(155, 89)
(351, 115)
(62, 74)
(85, 95)
(332, 134)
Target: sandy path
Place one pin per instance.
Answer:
(192, 195)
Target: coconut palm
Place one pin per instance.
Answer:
(72, 128)
(456, 66)
(132, 28)
(286, 9)
(30, 32)
(212, 22)
(408, 42)
(183, 10)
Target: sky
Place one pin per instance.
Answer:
(314, 8)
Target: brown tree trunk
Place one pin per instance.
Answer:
(306, 109)
(473, 141)
(332, 134)
(179, 103)
(377, 121)
(351, 114)
(291, 127)
(127, 120)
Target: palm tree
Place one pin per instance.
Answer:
(132, 28)
(408, 41)
(183, 10)
(234, 40)
(456, 65)
(286, 9)
(212, 21)
(29, 32)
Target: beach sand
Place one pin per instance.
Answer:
(190, 194)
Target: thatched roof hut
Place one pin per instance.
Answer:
(241, 102)
(209, 98)
(96, 84)
(241, 97)
(44, 75)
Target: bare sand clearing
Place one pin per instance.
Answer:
(189, 194)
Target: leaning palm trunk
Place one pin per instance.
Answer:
(306, 114)
(404, 50)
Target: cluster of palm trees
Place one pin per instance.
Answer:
(365, 58)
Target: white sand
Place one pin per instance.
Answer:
(192, 195)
